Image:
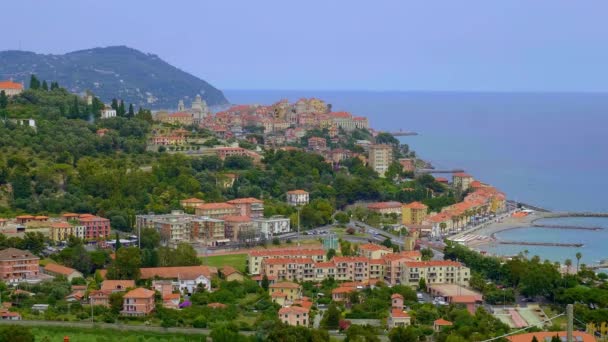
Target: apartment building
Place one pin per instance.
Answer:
(285, 290)
(174, 228)
(374, 251)
(435, 272)
(207, 229)
(17, 265)
(216, 210)
(249, 206)
(294, 315)
(233, 225)
(96, 227)
(414, 213)
(461, 181)
(380, 158)
(138, 302)
(297, 197)
(351, 268)
(255, 258)
(294, 269)
(269, 227)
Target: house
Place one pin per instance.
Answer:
(17, 265)
(191, 202)
(414, 213)
(6, 315)
(578, 336)
(138, 302)
(117, 285)
(297, 197)
(461, 181)
(171, 300)
(340, 294)
(231, 274)
(75, 296)
(294, 315)
(100, 297)
(397, 301)
(398, 318)
(60, 270)
(289, 291)
(186, 278)
(455, 294)
(440, 323)
(11, 88)
(108, 112)
(408, 164)
(374, 251)
(385, 208)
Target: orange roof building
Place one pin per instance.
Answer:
(11, 88)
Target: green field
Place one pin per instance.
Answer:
(53, 334)
(235, 260)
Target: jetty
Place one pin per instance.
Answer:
(559, 226)
(439, 171)
(402, 133)
(602, 264)
(549, 244)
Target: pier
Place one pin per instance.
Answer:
(549, 244)
(439, 171)
(558, 226)
(402, 133)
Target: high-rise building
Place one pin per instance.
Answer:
(380, 158)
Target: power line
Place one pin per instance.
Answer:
(524, 329)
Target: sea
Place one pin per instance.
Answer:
(545, 149)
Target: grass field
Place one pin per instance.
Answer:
(235, 260)
(53, 334)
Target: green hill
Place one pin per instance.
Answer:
(112, 72)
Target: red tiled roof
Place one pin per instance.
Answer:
(441, 179)
(464, 299)
(432, 263)
(234, 218)
(281, 261)
(183, 272)
(69, 215)
(396, 295)
(109, 285)
(139, 292)
(326, 264)
(344, 115)
(350, 259)
(211, 206)
(193, 200)
(415, 205)
(462, 175)
(278, 294)
(285, 285)
(10, 85)
(287, 251)
(374, 247)
(228, 270)
(293, 310)
(171, 296)
(384, 205)
(24, 217)
(297, 192)
(399, 313)
(60, 225)
(59, 269)
(442, 322)
(246, 200)
(343, 289)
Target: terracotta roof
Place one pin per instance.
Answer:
(462, 175)
(10, 85)
(193, 200)
(70, 215)
(228, 270)
(350, 259)
(281, 261)
(183, 272)
(432, 263)
(293, 310)
(399, 313)
(285, 285)
(109, 285)
(24, 217)
(139, 292)
(217, 305)
(344, 115)
(60, 225)
(547, 335)
(476, 184)
(464, 299)
(247, 200)
(287, 251)
(384, 205)
(59, 269)
(326, 264)
(441, 179)
(278, 294)
(442, 322)
(343, 289)
(171, 296)
(14, 253)
(396, 295)
(211, 206)
(41, 217)
(374, 247)
(297, 192)
(180, 115)
(415, 205)
(235, 218)
(376, 262)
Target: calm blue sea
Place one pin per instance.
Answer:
(546, 149)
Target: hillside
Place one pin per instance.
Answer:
(112, 72)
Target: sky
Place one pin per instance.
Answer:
(402, 45)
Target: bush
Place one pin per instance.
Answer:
(350, 231)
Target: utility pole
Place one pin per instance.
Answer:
(570, 314)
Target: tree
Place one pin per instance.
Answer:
(126, 264)
(16, 333)
(114, 104)
(117, 245)
(3, 100)
(34, 82)
(342, 217)
(360, 333)
(422, 284)
(225, 333)
(534, 339)
(116, 301)
(331, 318)
(578, 260)
(403, 334)
(556, 339)
(427, 254)
(331, 253)
(185, 255)
(568, 264)
(131, 111)
(45, 86)
(121, 111)
(265, 283)
(150, 238)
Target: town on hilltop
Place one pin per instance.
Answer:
(258, 221)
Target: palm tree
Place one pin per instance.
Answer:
(443, 226)
(578, 260)
(568, 264)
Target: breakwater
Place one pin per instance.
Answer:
(550, 244)
(439, 171)
(559, 226)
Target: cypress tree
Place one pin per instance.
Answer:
(54, 85)
(34, 82)
(3, 100)
(131, 110)
(75, 111)
(121, 109)
(45, 86)
(114, 104)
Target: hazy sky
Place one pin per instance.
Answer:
(510, 45)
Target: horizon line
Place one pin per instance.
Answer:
(590, 92)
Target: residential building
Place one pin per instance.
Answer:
(462, 181)
(255, 258)
(341, 293)
(233, 225)
(6, 315)
(414, 213)
(376, 269)
(191, 202)
(61, 231)
(373, 251)
(408, 164)
(117, 285)
(351, 268)
(163, 286)
(208, 230)
(100, 297)
(17, 265)
(171, 300)
(292, 291)
(297, 197)
(385, 208)
(11, 88)
(440, 323)
(398, 318)
(178, 118)
(231, 274)
(393, 264)
(294, 269)
(294, 315)
(249, 206)
(317, 143)
(108, 112)
(380, 158)
(60, 270)
(186, 278)
(138, 302)
(173, 228)
(435, 272)
(397, 301)
(216, 210)
(269, 227)
(96, 227)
